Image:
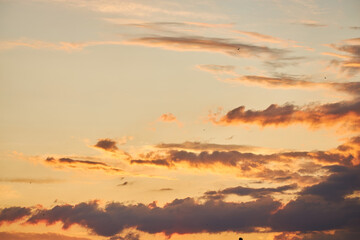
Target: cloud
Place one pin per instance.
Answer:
(344, 181)
(37, 236)
(311, 23)
(68, 162)
(199, 146)
(31, 180)
(216, 45)
(350, 63)
(11, 214)
(217, 69)
(246, 191)
(337, 235)
(179, 216)
(314, 115)
(107, 145)
(323, 206)
(168, 117)
(129, 236)
(59, 46)
(132, 8)
(166, 189)
(280, 80)
(274, 82)
(159, 162)
(270, 39)
(347, 154)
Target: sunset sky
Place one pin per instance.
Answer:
(182, 120)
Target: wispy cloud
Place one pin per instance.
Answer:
(217, 69)
(37, 236)
(310, 23)
(199, 146)
(59, 46)
(31, 180)
(350, 56)
(81, 164)
(217, 45)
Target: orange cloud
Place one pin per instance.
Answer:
(169, 117)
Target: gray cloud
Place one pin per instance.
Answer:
(180, 216)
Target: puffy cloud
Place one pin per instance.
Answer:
(314, 115)
(179, 216)
(12, 214)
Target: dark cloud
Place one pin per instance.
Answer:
(12, 214)
(341, 183)
(312, 213)
(253, 192)
(224, 46)
(314, 115)
(180, 216)
(323, 206)
(107, 145)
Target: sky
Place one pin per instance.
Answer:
(196, 120)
